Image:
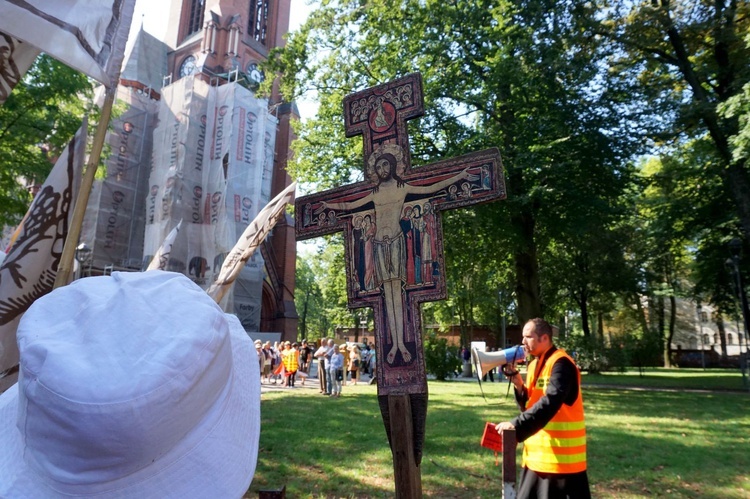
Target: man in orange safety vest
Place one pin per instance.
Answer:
(552, 424)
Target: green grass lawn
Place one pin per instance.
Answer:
(640, 443)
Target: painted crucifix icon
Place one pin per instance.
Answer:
(393, 234)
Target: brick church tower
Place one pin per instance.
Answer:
(211, 38)
(218, 42)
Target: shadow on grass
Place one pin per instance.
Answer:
(646, 444)
(641, 444)
(322, 447)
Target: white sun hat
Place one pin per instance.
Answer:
(132, 385)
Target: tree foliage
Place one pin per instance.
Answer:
(689, 59)
(688, 64)
(575, 94)
(320, 295)
(511, 74)
(441, 360)
(308, 300)
(36, 123)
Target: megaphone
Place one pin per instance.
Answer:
(484, 362)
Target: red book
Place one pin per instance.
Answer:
(491, 438)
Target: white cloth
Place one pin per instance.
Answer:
(131, 385)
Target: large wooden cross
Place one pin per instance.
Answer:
(394, 248)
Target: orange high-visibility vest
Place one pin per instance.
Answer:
(559, 447)
(290, 359)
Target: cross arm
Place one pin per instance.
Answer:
(432, 188)
(350, 205)
(458, 169)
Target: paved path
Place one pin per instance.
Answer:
(312, 384)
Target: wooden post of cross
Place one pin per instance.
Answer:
(394, 248)
(509, 463)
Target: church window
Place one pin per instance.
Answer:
(257, 26)
(196, 16)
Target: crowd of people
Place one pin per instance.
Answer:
(284, 363)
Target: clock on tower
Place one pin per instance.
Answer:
(254, 73)
(188, 66)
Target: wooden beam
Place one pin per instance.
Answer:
(406, 472)
(509, 464)
(74, 231)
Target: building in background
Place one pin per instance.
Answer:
(705, 337)
(194, 144)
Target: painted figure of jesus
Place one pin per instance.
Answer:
(385, 168)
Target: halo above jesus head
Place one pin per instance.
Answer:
(393, 155)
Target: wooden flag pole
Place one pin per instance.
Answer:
(87, 182)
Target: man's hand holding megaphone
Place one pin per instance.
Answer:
(484, 362)
(510, 372)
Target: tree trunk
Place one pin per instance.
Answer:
(660, 315)
(527, 271)
(600, 326)
(303, 318)
(722, 336)
(470, 314)
(670, 335)
(584, 314)
(356, 326)
(652, 314)
(740, 186)
(462, 323)
(641, 314)
(527, 287)
(325, 326)
(499, 329)
(562, 326)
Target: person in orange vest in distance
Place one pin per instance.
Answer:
(290, 359)
(552, 425)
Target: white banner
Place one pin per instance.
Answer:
(253, 236)
(16, 58)
(30, 267)
(88, 35)
(162, 255)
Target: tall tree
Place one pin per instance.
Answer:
(36, 122)
(308, 300)
(321, 290)
(525, 76)
(667, 227)
(690, 59)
